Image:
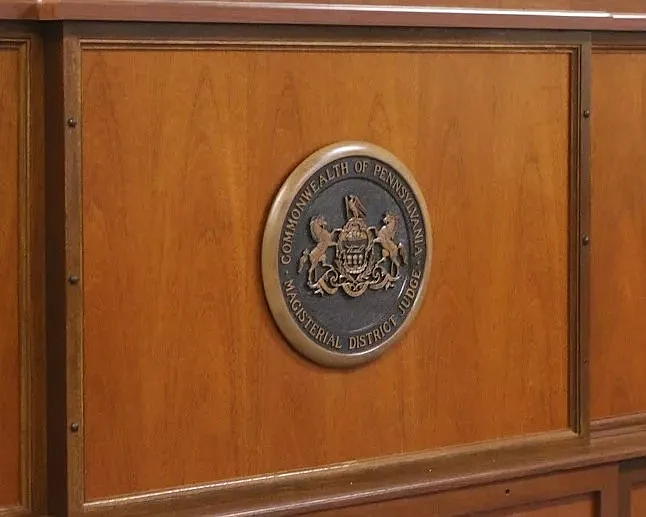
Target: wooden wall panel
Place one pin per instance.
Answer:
(581, 507)
(186, 378)
(638, 501)
(9, 309)
(618, 226)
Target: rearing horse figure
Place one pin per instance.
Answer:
(324, 239)
(385, 237)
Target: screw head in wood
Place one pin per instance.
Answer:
(586, 240)
(586, 113)
(72, 122)
(74, 427)
(73, 279)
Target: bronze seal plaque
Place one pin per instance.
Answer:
(346, 253)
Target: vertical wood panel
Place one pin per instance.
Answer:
(618, 224)
(10, 485)
(638, 501)
(186, 377)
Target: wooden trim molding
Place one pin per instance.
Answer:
(164, 36)
(618, 42)
(16, 511)
(33, 279)
(56, 310)
(620, 425)
(223, 11)
(579, 228)
(319, 13)
(64, 410)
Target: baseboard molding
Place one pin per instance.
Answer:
(361, 482)
(15, 511)
(386, 479)
(619, 425)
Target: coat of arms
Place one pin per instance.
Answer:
(365, 257)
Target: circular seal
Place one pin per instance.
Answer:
(346, 254)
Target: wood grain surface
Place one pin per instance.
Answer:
(638, 501)
(571, 494)
(419, 13)
(9, 252)
(582, 5)
(187, 379)
(548, 14)
(608, 14)
(618, 224)
(580, 507)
